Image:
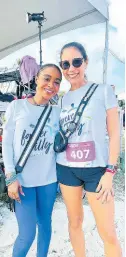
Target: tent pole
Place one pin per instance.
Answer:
(40, 41)
(105, 58)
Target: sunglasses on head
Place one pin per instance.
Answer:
(76, 62)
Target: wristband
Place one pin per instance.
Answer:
(111, 169)
(10, 174)
(11, 179)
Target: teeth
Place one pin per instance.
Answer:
(49, 91)
(72, 75)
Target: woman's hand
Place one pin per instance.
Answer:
(14, 189)
(105, 188)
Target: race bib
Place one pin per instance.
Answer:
(81, 152)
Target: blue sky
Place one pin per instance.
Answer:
(93, 38)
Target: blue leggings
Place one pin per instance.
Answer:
(35, 208)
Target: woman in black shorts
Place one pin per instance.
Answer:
(90, 157)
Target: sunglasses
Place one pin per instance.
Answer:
(76, 62)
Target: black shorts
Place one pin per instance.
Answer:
(88, 177)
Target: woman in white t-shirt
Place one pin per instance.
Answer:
(34, 189)
(90, 158)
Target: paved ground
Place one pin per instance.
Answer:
(60, 245)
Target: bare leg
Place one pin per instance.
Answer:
(104, 216)
(73, 200)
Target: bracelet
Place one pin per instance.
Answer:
(111, 171)
(11, 179)
(112, 168)
(10, 174)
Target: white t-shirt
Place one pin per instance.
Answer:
(91, 129)
(20, 120)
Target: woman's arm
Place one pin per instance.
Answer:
(114, 135)
(8, 154)
(7, 139)
(105, 187)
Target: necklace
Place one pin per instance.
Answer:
(38, 104)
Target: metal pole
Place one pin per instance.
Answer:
(105, 58)
(40, 40)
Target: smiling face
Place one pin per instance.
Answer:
(48, 82)
(75, 75)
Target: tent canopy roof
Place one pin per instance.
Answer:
(61, 16)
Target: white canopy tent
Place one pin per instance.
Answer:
(61, 16)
